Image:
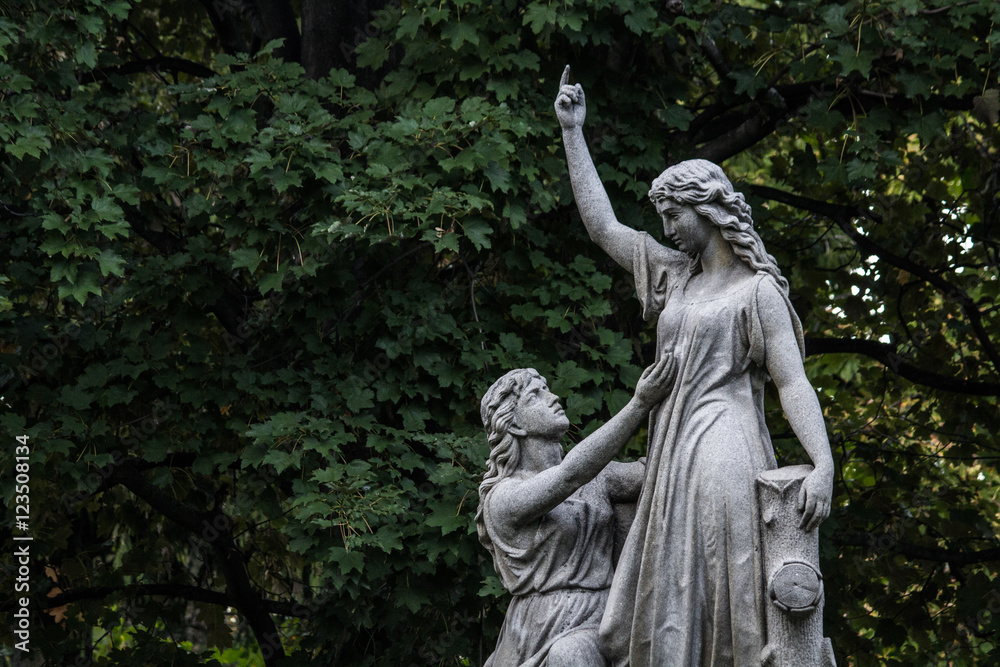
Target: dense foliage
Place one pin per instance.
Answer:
(260, 259)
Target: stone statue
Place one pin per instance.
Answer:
(689, 588)
(548, 520)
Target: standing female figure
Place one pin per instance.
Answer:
(687, 591)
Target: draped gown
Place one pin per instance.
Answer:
(687, 590)
(558, 569)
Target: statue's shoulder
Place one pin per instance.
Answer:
(768, 294)
(498, 504)
(655, 259)
(659, 253)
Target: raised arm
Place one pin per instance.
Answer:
(801, 406)
(527, 500)
(591, 199)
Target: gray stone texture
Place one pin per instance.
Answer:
(689, 588)
(794, 599)
(720, 565)
(549, 521)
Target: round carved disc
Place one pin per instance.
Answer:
(796, 587)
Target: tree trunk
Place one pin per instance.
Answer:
(278, 21)
(794, 595)
(330, 33)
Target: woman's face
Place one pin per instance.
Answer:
(538, 411)
(685, 228)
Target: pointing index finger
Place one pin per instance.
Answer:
(565, 77)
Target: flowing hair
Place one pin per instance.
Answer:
(703, 186)
(497, 411)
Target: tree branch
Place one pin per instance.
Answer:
(789, 97)
(227, 312)
(918, 552)
(186, 517)
(214, 528)
(748, 133)
(192, 593)
(165, 242)
(279, 21)
(230, 24)
(864, 100)
(158, 64)
(887, 355)
(330, 33)
(715, 57)
(7, 213)
(108, 480)
(843, 216)
(852, 92)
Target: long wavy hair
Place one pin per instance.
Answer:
(703, 186)
(497, 411)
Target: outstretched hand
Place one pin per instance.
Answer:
(571, 106)
(656, 381)
(815, 498)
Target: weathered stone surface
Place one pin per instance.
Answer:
(550, 522)
(689, 588)
(791, 569)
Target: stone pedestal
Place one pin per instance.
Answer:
(794, 594)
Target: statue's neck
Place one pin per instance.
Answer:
(538, 454)
(719, 258)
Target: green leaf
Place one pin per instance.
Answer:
(515, 213)
(747, 81)
(446, 517)
(410, 598)
(286, 179)
(76, 398)
(459, 33)
(569, 376)
(329, 171)
(414, 417)
(84, 285)
(835, 17)
(111, 263)
(853, 60)
(348, 561)
(537, 16)
(106, 209)
(498, 176)
(271, 282)
(677, 116)
(86, 54)
(438, 107)
(246, 258)
(478, 231)
(642, 20)
(30, 140)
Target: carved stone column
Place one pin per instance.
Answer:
(794, 593)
